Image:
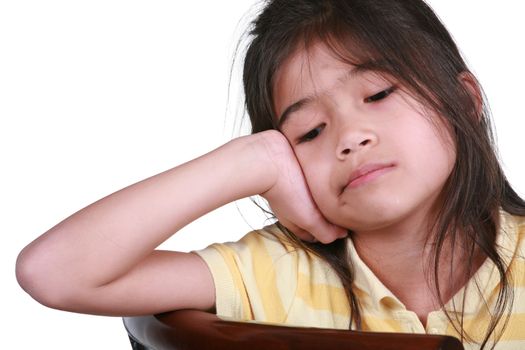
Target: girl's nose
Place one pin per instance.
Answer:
(353, 141)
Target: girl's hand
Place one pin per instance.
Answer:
(289, 196)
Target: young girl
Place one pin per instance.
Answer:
(371, 143)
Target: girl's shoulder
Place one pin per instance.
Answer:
(512, 228)
(268, 247)
(511, 244)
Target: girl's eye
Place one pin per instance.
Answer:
(380, 95)
(312, 134)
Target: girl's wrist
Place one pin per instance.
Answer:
(256, 156)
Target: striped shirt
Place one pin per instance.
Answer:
(264, 278)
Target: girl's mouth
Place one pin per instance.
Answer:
(367, 173)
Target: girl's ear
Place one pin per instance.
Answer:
(470, 83)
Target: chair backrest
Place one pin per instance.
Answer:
(191, 329)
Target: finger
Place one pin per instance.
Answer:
(331, 234)
(323, 230)
(298, 232)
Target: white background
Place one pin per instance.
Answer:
(96, 95)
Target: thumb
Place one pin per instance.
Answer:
(327, 232)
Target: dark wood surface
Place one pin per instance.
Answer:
(191, 329)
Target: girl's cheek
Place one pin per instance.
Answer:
(445, 134)
(316, 171)
(309, 156)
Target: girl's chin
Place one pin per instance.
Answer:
(369, 220)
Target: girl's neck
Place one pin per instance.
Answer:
(401, 257)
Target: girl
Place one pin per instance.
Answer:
(371, 143)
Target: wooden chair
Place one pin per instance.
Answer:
(191, 329)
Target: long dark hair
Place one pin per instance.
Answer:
(405, 40)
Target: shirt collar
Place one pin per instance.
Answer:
(479, 288)
(369, 286)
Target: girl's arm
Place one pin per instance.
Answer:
(102, 260)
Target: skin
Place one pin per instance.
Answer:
(339, 130)
(102, 259)
(348, 133)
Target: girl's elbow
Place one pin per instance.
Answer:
(40, 284)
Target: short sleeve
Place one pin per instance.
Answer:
(230, 293)
(255, 278)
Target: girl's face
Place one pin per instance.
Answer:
(371, 154)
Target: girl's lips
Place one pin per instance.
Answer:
(367, 173)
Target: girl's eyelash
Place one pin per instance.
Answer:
(312, 134)
(380, 95)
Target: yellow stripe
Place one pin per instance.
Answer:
(264, 271)
(229, 258)
(476, 327)
(518, 272)
(516, 328)
(377, 324)
(322, 296)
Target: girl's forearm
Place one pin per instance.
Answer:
(103, 241)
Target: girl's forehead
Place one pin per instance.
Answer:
(305, 71)
(311, 60)
(309, 72)
(316, 55)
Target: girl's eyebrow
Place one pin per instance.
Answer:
(352, 73)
